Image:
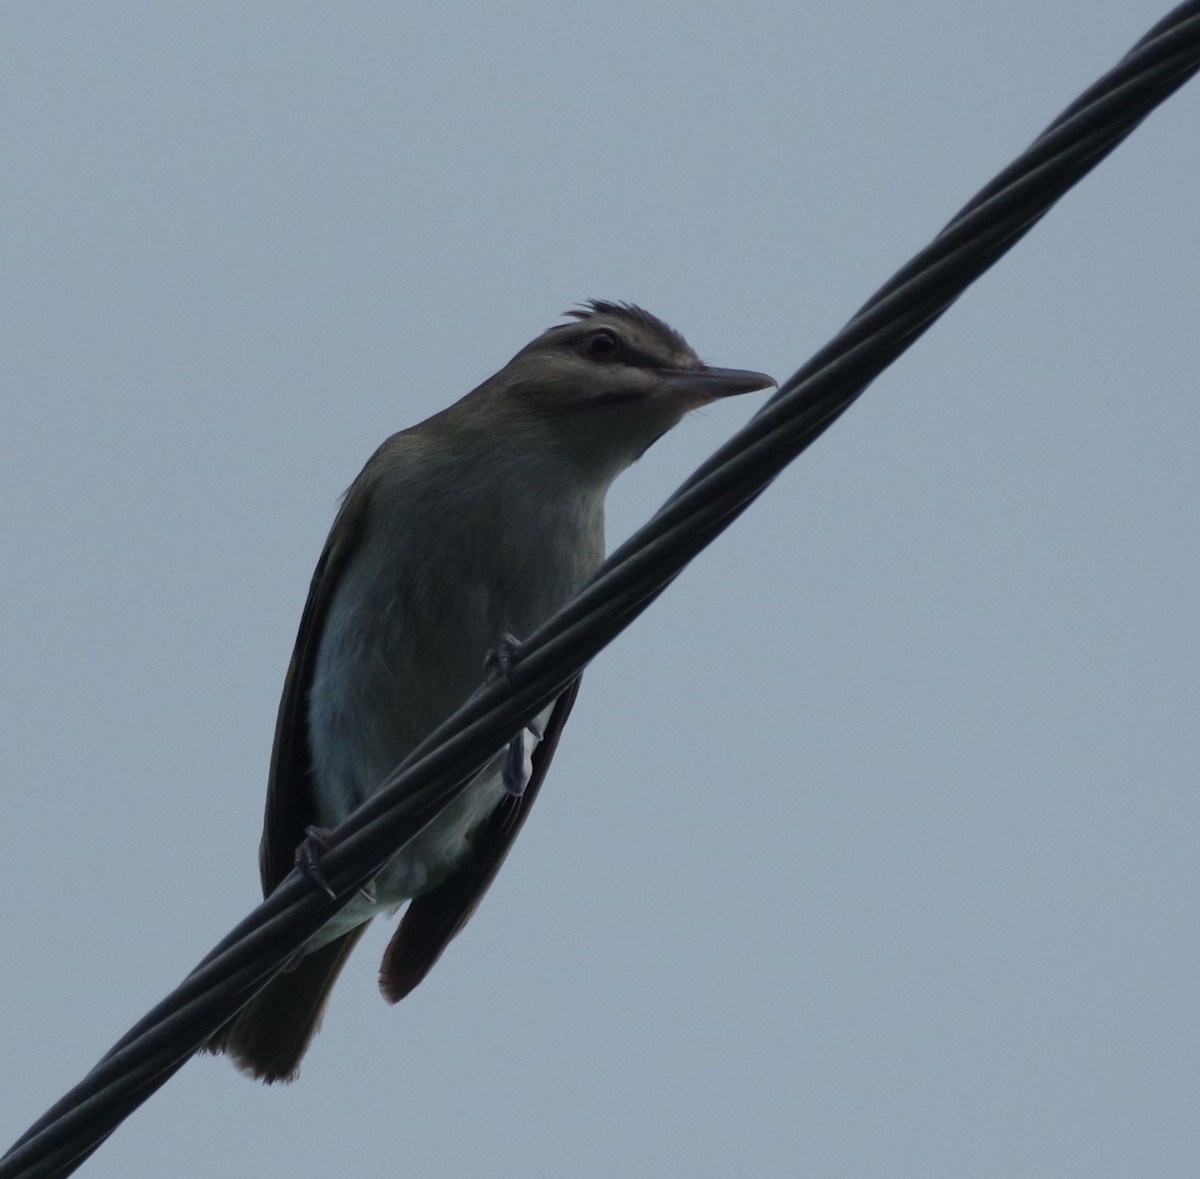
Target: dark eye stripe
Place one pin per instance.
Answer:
(573, 340)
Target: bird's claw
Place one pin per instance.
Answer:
(502, 658)
(308, 860)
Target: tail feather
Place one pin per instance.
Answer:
(268, 1038)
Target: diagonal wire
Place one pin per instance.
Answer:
(708, 502)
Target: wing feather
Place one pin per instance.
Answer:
(432, 920)
(291, 804)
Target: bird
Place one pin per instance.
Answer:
(460, 533)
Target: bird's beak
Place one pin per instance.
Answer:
(699, 386)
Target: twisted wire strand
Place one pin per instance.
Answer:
(717, 493)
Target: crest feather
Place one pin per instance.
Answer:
(634, 314)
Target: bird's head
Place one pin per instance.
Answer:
(605, 386)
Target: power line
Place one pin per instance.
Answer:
(715, 495)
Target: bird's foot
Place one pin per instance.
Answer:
(502, 658)
(308, 860)
(518, 758)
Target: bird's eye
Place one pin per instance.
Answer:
(601, 345)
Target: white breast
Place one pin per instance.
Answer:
(435, 582)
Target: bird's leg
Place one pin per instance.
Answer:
(308, 859)
(518, 762)
(518, 759)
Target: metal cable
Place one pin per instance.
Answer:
(711, 499)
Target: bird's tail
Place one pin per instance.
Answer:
(268, 1038)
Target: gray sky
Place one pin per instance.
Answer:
(871, 850)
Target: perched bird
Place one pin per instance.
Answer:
(476, 524)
